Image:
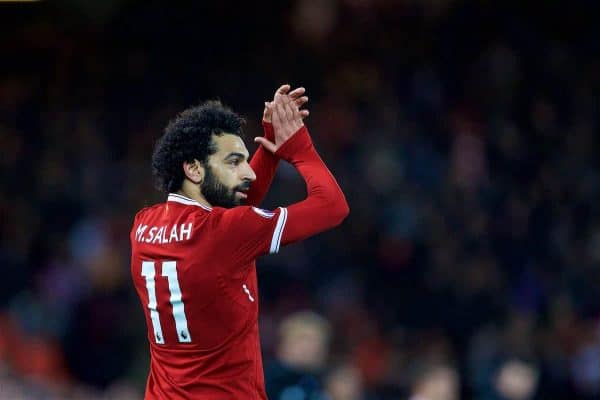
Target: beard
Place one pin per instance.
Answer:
(218, 194)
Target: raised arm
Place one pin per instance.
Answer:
(250, 231)
(264, 162)
(264, 165)
(325, 206)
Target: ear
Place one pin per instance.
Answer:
(194, 171)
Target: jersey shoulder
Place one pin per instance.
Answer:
(168, 224)
(143, 214)
(147, 210)
(223, 218)
(241, 211)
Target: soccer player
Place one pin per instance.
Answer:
(193, 257)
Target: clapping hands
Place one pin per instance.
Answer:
(285, 114)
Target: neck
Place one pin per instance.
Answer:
(193, 192)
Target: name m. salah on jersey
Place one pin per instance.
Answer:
(162, 234)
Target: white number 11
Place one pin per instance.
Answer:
(169, 270)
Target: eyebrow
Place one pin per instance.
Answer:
(232, 155)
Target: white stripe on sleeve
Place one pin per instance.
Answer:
(278, 233)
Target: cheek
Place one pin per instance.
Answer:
(224, 174)
(229, 178)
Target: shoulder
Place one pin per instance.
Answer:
(243, 219)
(224, 215)
(147, 210)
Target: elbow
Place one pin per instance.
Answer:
(332, 207)
(338, 210)
(344, 209)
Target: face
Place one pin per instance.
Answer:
(227, 174)
(443, 385)
(305, 346)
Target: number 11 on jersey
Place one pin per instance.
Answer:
(169, 270)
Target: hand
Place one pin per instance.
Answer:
(287, 120)
(296, 95)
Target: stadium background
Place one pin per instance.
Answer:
(464, 134)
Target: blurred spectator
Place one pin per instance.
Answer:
(301, 358)
(516, 380)
(344, 382)
(435, 382)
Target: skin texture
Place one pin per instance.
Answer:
(284, 113)
(229, 165)
(229, 172)
(229, 168)
(295, 95)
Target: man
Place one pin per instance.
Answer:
(302, 352)
(193, 257)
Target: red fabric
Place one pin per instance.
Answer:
(264, 163)
(325, 206)
(216, 274)
(223, 360)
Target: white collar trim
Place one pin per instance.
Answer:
(177, 198)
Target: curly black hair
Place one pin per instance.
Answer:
(189, 137)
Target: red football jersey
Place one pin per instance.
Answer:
(193, 268)
(198, 280)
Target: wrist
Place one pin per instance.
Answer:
(268, 130)
(299, 142)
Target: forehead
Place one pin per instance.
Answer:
(228, 143)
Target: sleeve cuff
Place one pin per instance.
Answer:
(300, 141)
(278, 232)
(268, 130)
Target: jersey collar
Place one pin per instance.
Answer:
(177, 198)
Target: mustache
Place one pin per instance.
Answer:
(245, 186)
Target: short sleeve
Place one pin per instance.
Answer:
(249, 232)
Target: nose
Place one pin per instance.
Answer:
(248, 174)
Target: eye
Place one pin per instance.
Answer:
(235, 161)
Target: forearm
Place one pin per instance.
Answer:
(325, 206)
(264, 164)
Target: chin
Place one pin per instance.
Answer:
(233, 203)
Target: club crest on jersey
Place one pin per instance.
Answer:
(263, 213)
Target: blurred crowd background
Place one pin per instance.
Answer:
(464, 134)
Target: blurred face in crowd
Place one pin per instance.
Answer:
(345, 383)
(304, 343)
(440, 384)
(227, 174)
(516, 380)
